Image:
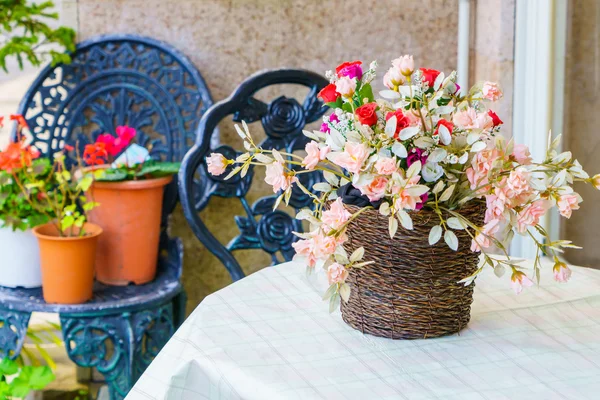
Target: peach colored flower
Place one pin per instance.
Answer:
(345, 86)
(562, 273)
(336, 273)
(530, 215)
(483, 240)
(567, 203)
(521, 154)
(277, 177)
(518, 280)
(216, 164)
(386, 166)
(405, 64)
(324, 246)
(466, 119)
(495, 205)
(491, 91)
(336, 216)
(405, 201)
(304, 252)
(481, 165)
(352, 158)
(376, 189)
(484, 121)
(517, 186)
(314, 154)
(393, 78)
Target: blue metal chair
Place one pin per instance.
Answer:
(283, 121)
(114, 80)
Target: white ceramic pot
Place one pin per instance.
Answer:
(20, 255)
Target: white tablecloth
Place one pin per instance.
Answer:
(270, 336)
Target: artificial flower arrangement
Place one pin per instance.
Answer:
(424, 146)
(128, 160)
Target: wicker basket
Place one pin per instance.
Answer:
(412, 289)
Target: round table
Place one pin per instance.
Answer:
(270, 336)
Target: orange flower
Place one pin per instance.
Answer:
(95, 154)
(16, 156)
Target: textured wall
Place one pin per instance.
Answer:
(582, 101)
(230, 39)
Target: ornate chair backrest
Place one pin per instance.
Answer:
(283, 121)
(119, 80)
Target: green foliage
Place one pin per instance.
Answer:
(16, 211)
(24, 29)
(147, 170)
(23, 379)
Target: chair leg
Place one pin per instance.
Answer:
(13, 330)
(179, 303)
(119, 346)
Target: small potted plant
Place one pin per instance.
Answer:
(130, 189)
(67, 244)
(20, 266)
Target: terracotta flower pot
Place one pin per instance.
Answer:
(67, 263)
(130, 215)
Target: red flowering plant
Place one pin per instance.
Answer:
(119, 159)
(36, 190)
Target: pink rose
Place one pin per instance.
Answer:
(562, 273)
(521, 154)
(216, 164)
(336, 216)
(405, 64)
(483, 239)
(531, 214)
(324, 246)
(314, 154)
(351, 69)
(352, 158)
(567, 203)
(518, 280)
(491, 91)
(376, 189)
(393, 78)
(386, 166)
(336, 273)
(346, 86)
(481, 165)
(276, 177)
(484, 121)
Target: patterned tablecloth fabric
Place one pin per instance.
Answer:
(270, 336)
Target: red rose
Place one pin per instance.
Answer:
(366, 114)
(329, 94)
(401, 121)
(429, 75)
(495, 119)
(449, 125)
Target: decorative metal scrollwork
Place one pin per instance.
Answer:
(13, 329)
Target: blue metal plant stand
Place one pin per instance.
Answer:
(118, 332)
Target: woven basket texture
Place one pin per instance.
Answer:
(412, 289)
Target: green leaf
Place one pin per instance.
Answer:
(67, 222)
(347, 107)
(41, 377)
(85, 183)
(112, 175)
(159, 169)
(366, 92)
(8, 367)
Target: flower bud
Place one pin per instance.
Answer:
(405, 64)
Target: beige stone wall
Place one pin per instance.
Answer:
(582, 101)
